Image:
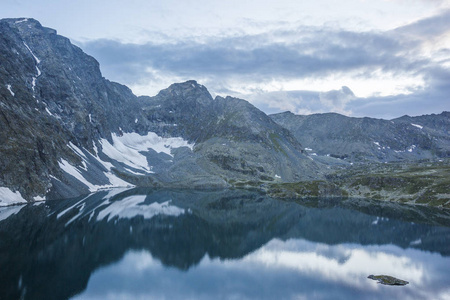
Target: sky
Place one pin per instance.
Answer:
(376, 58)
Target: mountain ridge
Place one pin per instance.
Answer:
(68, 131)
(369, 139)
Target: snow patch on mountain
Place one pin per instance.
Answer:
(152, 141)
(49, 112)
(73, 171)
(21, 21)
(77, 150)
(8, 197)
(35, 58)
(125, 154)
(39, 198)
(8, 86)
(38, 61)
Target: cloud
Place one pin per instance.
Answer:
(337, 100)
(303, 53)
(304, 102)
(429, 27)
(298, 102)
(408, 63)
(434, 99)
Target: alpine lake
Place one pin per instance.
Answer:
(227, 244)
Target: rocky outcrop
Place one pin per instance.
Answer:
(388, 280)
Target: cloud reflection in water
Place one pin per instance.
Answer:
(292, 269)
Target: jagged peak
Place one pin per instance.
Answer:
(187, 90)
(190, 84)
(24, 24)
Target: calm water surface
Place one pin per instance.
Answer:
(144, 244)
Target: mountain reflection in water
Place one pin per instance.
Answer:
(141, 243)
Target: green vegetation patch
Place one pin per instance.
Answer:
(305, 189)
(423, 183)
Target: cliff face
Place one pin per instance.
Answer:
(67, 131)
(52, 94)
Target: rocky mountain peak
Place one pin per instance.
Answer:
(28, 26)
(189, 92)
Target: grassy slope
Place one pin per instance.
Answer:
(423, 183)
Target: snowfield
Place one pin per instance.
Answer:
(8, 197)
(127, 149)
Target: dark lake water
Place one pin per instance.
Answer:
(234, 244)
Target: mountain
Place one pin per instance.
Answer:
(68, 131)
(368, 139)
(232, 138)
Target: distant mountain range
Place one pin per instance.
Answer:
(68, 131)
(368, 139)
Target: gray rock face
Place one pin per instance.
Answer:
(368, 139)
(67, 131)
(51, 94)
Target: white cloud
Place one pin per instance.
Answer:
(127, 21)
(337, 100)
